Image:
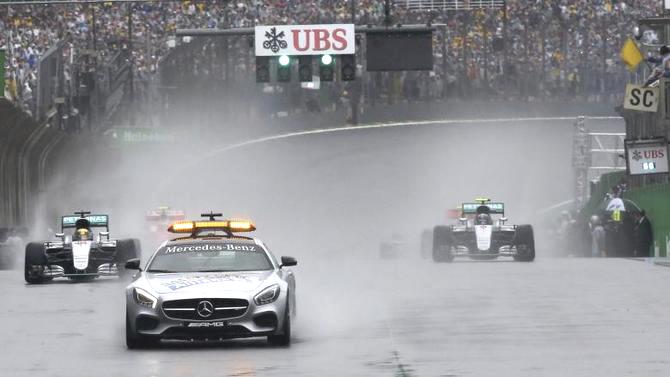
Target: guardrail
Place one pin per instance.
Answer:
(25, 150)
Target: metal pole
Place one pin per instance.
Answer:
(131, 68)
(505, 43)
(95, 28)
(353, 11)
(444, 62)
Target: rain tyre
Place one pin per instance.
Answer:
(443, 240)
(525, 239)
(35, 256)
(126, 249)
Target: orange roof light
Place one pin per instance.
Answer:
(227, 225)
(181, 227)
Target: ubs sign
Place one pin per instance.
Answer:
(647, 157)
(332, 39)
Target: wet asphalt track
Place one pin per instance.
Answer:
(555, 317)
(329, 200)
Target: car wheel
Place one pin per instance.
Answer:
(285, 338)
(524, 240)
(426, 240)
(442, 243)
(126, 249)
(36, 262)
(135, 340)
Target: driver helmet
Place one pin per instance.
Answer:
(483, 219)
(82, 233)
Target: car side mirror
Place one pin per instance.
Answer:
(104, 234)
(288, 262)
(60, 235)
(133, 264)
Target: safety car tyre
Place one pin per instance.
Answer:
(284, 339)
(135, 341)
(35, 256)
(443, 240)
(126, 249)
(524, 240)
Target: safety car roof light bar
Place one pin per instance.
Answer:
(227, 226)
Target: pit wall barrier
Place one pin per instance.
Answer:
(26, 150)
(654, 199)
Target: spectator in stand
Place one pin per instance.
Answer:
(644, 238)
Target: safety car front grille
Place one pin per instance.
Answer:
(220, 308)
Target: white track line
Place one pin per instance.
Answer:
(384, 125)
(401, 124)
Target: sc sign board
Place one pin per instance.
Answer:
(331, 39)
(647, 157)
(641, 99)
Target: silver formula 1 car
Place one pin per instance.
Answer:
(479, 236)
(81, 255)
(210, 285)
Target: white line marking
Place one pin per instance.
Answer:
(384, 125)
(400, 124)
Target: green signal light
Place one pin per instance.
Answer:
(326, 59)
(284, 60)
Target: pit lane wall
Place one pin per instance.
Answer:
(25, 165)
(654, 199)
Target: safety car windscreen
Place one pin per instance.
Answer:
(210, 257)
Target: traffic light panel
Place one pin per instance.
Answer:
(284, 69)
(326, 68)
(262, 69)
(305, 68)
(348, 67)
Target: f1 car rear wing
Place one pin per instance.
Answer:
(494, 208)
(95, 221)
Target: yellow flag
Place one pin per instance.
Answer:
(631, 55)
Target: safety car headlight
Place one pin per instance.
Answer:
(267, 295)
(144, 298)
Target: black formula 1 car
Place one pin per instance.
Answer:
(479, 236)
(82, 255)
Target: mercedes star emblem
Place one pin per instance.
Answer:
(205, 309)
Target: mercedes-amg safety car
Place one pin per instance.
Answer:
(479, 236)
(82, 255)
(210, 284)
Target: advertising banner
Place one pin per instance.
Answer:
(332, 39)
(647, 157)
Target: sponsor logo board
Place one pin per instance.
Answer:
(332, 39)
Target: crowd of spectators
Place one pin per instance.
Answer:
(552, 47)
